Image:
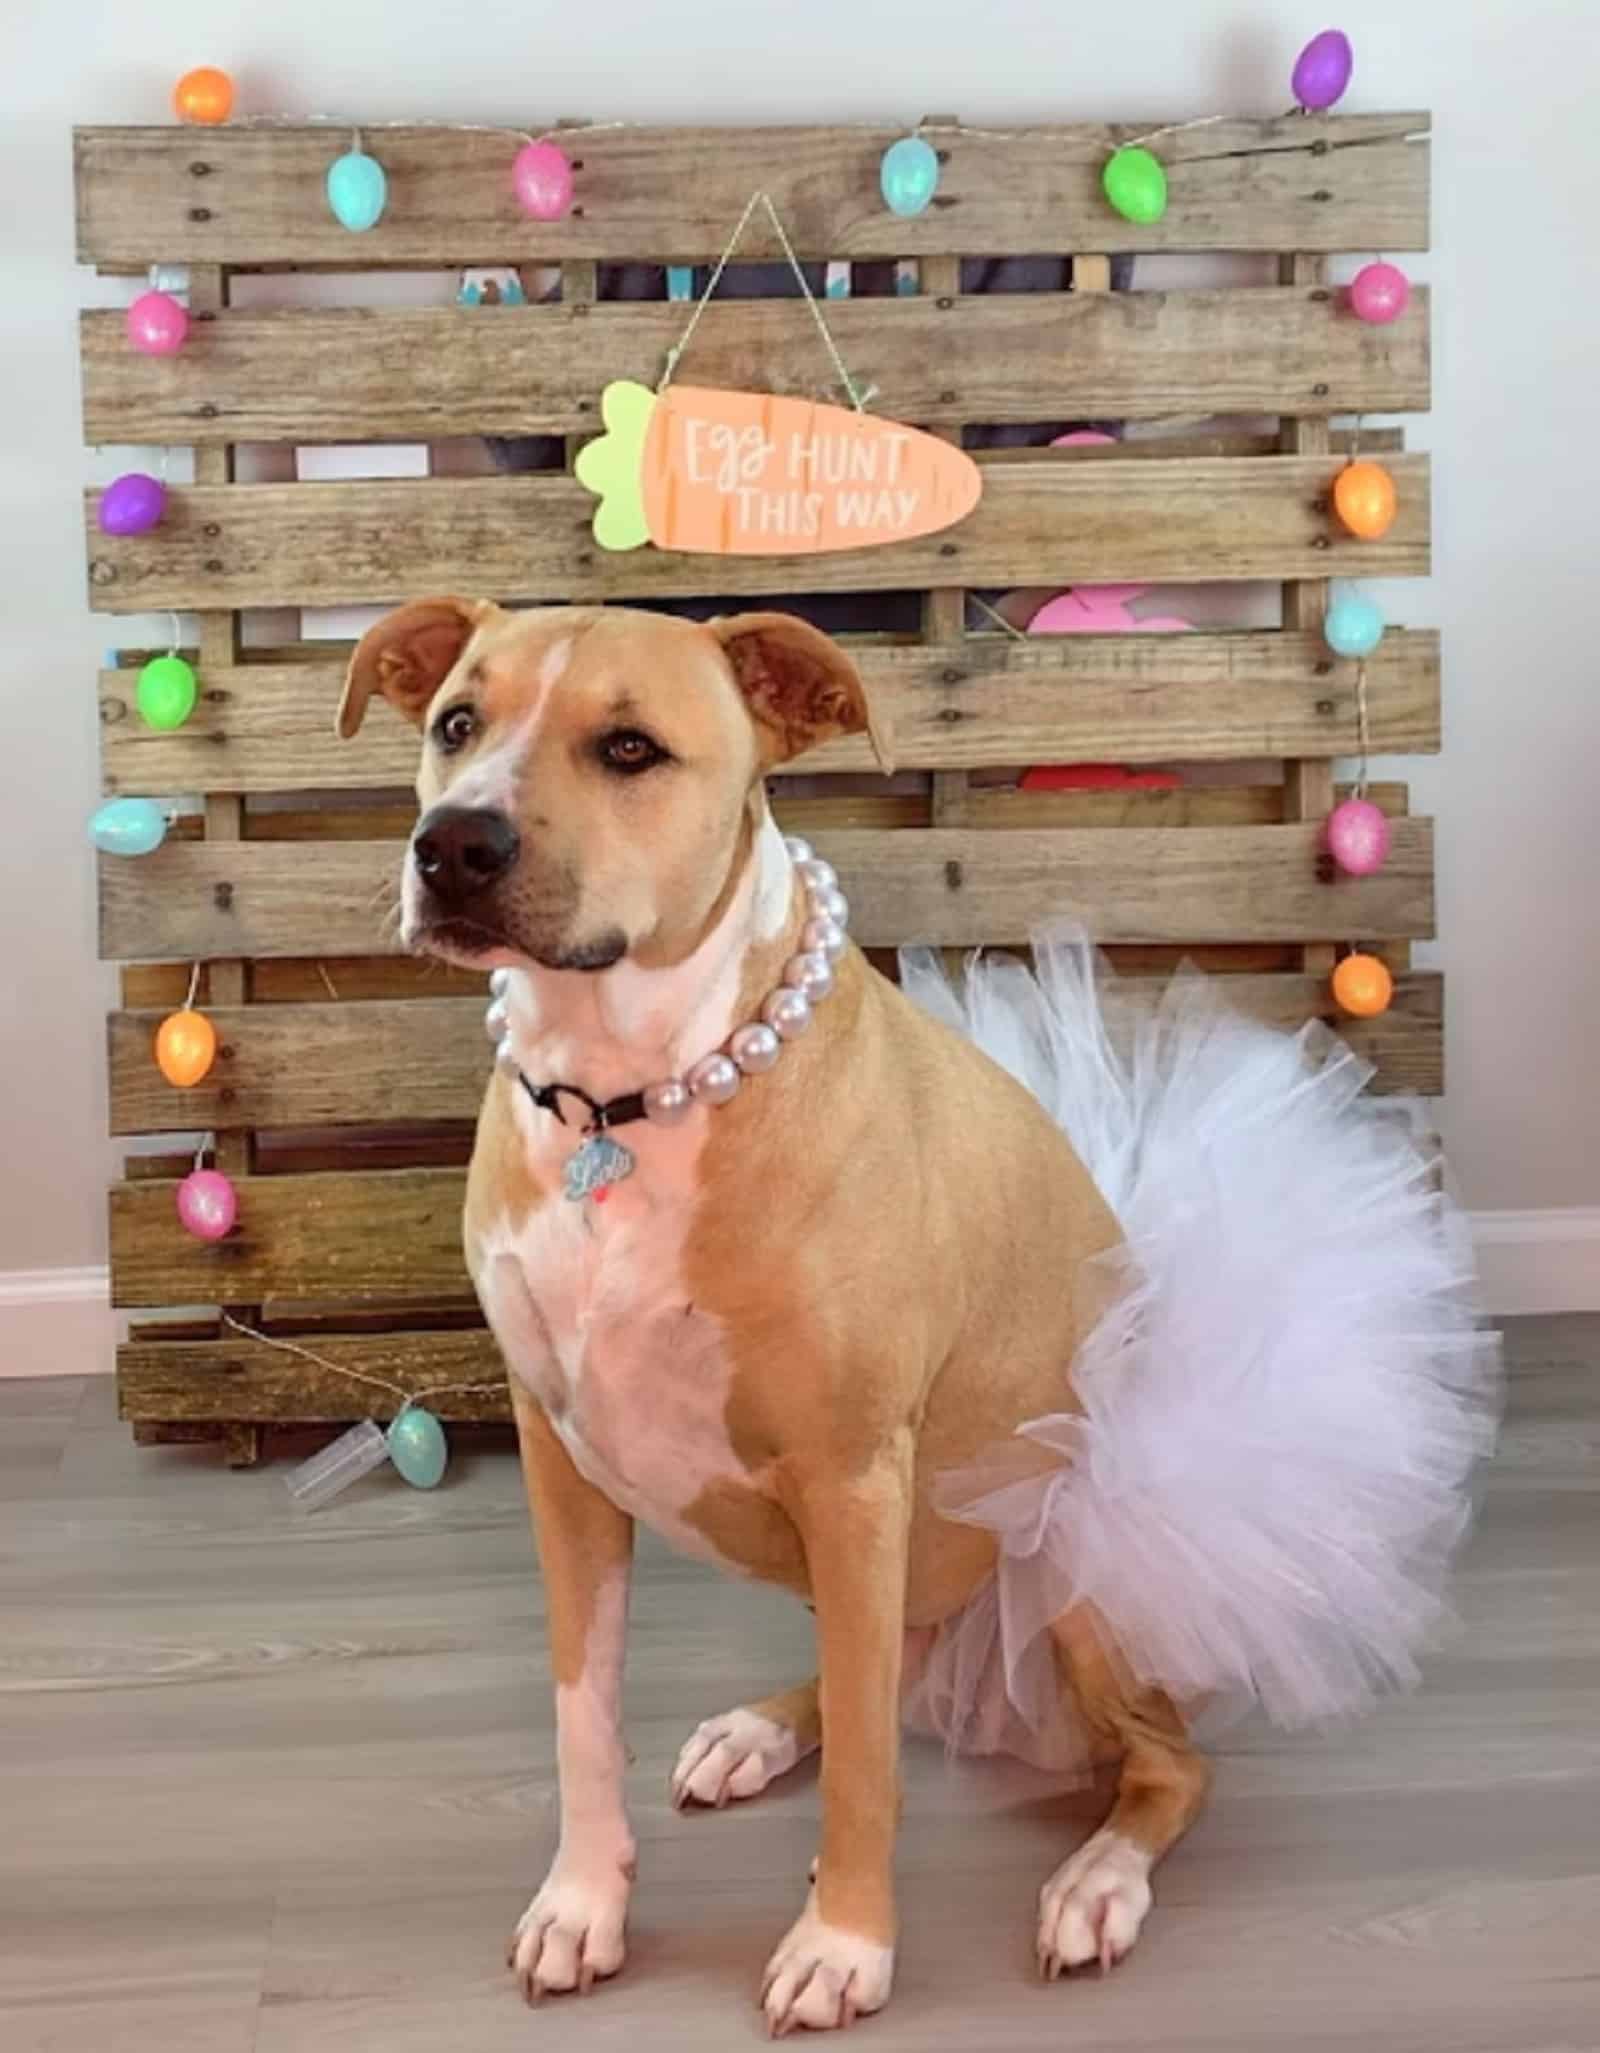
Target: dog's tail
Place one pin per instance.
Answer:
(1281, 1408)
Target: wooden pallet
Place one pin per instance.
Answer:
(348, 1075)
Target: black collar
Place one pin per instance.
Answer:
(621, 1111)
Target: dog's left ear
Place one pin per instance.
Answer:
(406, 656)
(801, 688)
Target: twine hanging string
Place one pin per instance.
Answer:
(858, 399)
(194, 985)
(406, 1398)
(1363, 734)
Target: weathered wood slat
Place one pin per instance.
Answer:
(986, 702)
(364, 373)
(1296, 182)
(234, 1377)
(953, 888)
(403, 1060)
(394, 1234)
(1039, 521)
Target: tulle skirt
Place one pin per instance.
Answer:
(1280, 1409)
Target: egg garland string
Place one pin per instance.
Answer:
(167, 688)
(208, 1204)
(186, 1042)
(1356, 834)
(415, 1441)
(357, 187)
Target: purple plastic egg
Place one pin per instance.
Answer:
(132, 504)
(1322, 70)
(542, 175)
(157, 324)
(1358, 837)
(207, 1204)
(1379, 293)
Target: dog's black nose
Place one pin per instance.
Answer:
(461, 850)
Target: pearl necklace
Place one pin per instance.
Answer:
(750, 1049)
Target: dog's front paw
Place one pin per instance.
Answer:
(1093, 1905)
(571, 1934)
(735, 1755)
(824, 1978)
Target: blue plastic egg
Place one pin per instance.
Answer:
(128, 826)
(909, 175)
(417, 1447)
(1354, 625)
(357, 190)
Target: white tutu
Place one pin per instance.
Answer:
(1282, 1404)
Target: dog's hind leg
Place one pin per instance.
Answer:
(1091, 1908)
(740, 1752)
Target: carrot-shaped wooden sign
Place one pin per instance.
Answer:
(753, 474)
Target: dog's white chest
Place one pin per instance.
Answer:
(632, 1374)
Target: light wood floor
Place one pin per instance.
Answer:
(280, 1784)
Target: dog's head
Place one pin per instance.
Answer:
(588, 776)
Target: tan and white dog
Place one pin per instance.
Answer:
(804, 1305)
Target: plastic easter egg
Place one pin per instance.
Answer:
(1135, 184)
(186, 1047)
(158, 325)
(909, 175)
(1354, 624)
(1364, 499)
(208, 1204)
(1357, 835)
(542, 177)
(132, 504)
(128, 826)
(204, 95)
(166, 692)
(1322, 70)
(1379, 293)
(417, 1447)
(1362, 986)
(357, 191)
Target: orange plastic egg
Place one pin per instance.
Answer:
(1363, 498)
(1362, 986)
(186, 1047)
(204, 95)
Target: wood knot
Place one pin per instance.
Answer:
(199, 213)
(199, 169)
(101, 572)
(1319, 391)
(953, 875)
(215, 565)
(1325, 708)
(951, 676)
(1322, 193)
(211, 530)
(1320, 542)
(948, 549)
(1327, 868)
(944, 304)
(111, 711)
(207, 409)
(222, 897)
(951, 716)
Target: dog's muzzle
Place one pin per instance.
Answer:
(461, 852)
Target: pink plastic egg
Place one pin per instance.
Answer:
(542, 176)
(157, 324)
(207, 1204)
(1358, 837)
(1379, 293)
(132, 504)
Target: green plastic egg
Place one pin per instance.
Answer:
(166, 692)
(1135, 184)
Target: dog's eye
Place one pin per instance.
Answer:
(455, 728)
(628, 751)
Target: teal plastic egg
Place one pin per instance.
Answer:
(1354, 624)
(128, 826)
(417, 1447)
(166, 692)
(909, 175)
(357, 190)
(1135, 184)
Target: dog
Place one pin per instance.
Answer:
(804, 1302)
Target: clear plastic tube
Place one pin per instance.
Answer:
(334, 1467)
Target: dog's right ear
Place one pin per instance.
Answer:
(407, 656)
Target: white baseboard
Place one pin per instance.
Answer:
(59, 1322)
(1545, 1261)
(56, 1322)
